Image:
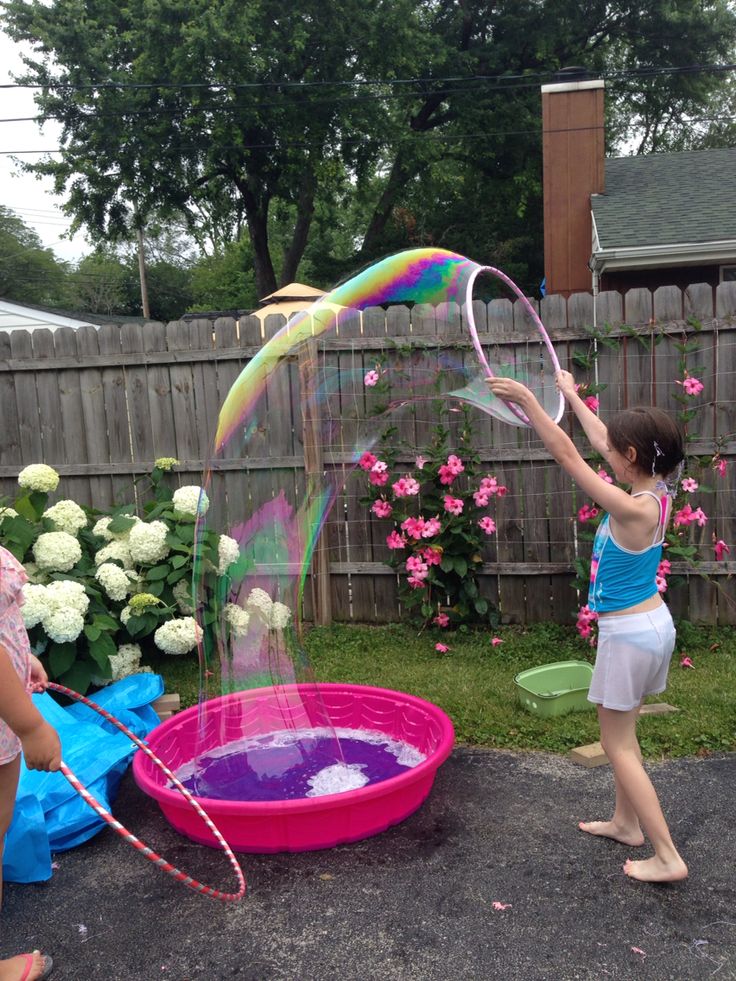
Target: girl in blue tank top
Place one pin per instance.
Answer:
(636, 635)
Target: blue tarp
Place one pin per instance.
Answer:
(50, 816)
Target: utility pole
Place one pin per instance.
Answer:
(142, 273)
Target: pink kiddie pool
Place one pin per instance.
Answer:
(311, 822)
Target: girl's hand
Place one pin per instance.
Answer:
(39, 678)
(510, 390)
(41, 748)
(565, 383)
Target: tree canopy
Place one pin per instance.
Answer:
(29, 272)
(339, 131)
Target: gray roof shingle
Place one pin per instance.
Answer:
(667, 199)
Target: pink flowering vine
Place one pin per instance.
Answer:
(367, 461)
(453, 505)
(689, 485)
(495, 641)
(441, 620)
(691, 385)
(719, 465)
(604, 475)
(382, 508)
(441, 648)
(487, 524)
(371, 378)
(592, 402)
(587, 513)
(686, 662)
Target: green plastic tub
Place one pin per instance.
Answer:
(555, 689)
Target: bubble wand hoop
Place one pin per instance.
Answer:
(537, 323)
(128, 836)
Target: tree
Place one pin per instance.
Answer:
(400, 108)
(29, 272)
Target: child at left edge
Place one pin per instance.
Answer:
(22, 729)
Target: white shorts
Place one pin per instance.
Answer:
(632, 659)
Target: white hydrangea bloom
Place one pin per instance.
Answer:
(126, 661)
(228, 551)
(100, 528)
(125, 614)
(39, 477)
(57, 551)
(165, 462)
(178, 636)
(115, 551)
(238, 619)
(190, 500)
(182, 594)
(147, 542)
(34, 604)
(260, 604)
(114, 580)
(31, 570)
(66, 516)
(67, 593)
(63, 624)
(280, 615)
(8, 513)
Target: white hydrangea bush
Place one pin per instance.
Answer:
(107, 589)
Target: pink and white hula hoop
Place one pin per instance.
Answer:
(537, 322)
(128, 836)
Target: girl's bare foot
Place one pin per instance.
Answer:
(655, 870)
(609, 829)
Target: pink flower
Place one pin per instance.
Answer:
(721, 550)
(495, 641)
(381, 508)
(447, 475)
(379, 478)
(719, 464)
(395, 540)
(367, 460)
(587, 512)
(442, 620)
(699, 517)
(453, 505)
(684, 517)
(414, 527)
(455, 464)
(501, 490)
(415, 582)
(692, 386)
(420, 462)
(432, 556)
(661, 584)
(489, 485)
(432, 527)
(500, 906)
(604, 475)
(689, 485)
(418, 566)
(686, 662)
(585, 621)
(405, 487)
(481, 499)
(592, 402)
(664, 568)
(488, 525)
(441, 648)
(371, 378)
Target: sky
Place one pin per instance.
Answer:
(32, 200)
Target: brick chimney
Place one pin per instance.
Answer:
(573, 168)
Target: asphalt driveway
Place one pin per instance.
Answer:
(417, 902)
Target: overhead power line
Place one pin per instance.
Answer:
(506, 81)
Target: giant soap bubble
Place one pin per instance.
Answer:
(311, 387)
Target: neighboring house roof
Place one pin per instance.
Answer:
(666, 208)
(18, 316)
(21, 316)
(294, 291)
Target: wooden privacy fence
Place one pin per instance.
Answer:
(100, 405)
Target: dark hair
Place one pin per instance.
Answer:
(654, 435)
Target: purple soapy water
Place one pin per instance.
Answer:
(292, 765)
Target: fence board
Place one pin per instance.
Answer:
(11, 453)
(96, 440)
(71, 418)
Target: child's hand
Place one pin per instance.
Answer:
(42, 748)
(39, 678)
(565, 383)
(509, 390)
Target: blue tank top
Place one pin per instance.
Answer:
(620, 577)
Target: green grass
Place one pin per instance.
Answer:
(474, 683)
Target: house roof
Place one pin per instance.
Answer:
(667, 199)
(294, 291)
(19, 316)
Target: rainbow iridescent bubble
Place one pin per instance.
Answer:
(290, 433)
